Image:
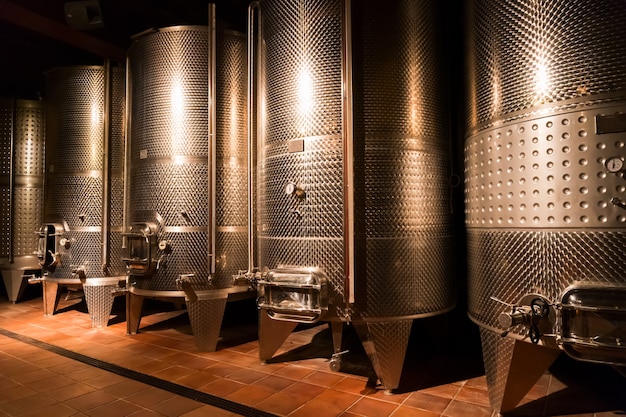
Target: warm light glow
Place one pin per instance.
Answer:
(96, 133)
(178, 120)
(305, 98)
(305, 92)
(542, 81)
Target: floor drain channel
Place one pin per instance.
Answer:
(177, 389)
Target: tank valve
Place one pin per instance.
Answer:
(335, 361)
(519, 315)
(79, 272)
(617, 202)
(165, 246)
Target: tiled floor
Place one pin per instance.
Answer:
(442, 373)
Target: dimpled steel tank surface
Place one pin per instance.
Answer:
(545, 192)
(187, 226)
(22, 135)
(353, 172)
(81, 235)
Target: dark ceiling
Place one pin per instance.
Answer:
(36, 36)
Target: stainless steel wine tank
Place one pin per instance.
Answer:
(81, 234)
(187, 205)
(544, 186)
(22, 136)
(353, 172)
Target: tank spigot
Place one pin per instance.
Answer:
(335, 361)
(519, 315)
(617, 202)
(79, 272)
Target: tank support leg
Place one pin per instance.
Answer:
(206, 321)
(272, 334)
(385, 344)
(512, 367)
(51, 297)
(14, 282)
(336, 328)
(134, 304)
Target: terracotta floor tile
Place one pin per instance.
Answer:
(274, 383)
(222, 369)
(104, 380)
(196, 379)
(145, 413)
(125, 388)
(280, 404)
(303, 391)
(246, 376)
(115, 408)
(221, 387)
(294, 372)
(325, 379)
(208, 411)
(50, 383)
(428, 402)
(52, 410)
(151, 367)
(176, 406)
(446, 391)
(317, 408)
(250, 395)
(84, 373)
(406, 411)
(353, 385)
(172, 373)
(149, 397)
(69, 391)
(14, 393)
(339, 399)
(462, 409)
(473, 395)
(90, 400)
(27, 404)
(373, 408)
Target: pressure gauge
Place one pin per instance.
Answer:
(290, 188)
(614, 164)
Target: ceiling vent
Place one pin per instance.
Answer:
(84, 15)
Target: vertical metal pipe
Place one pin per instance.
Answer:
(126, 167)
(212, 74)
(12, 183)
(106, 166)
(251, 148)
(348, 150)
